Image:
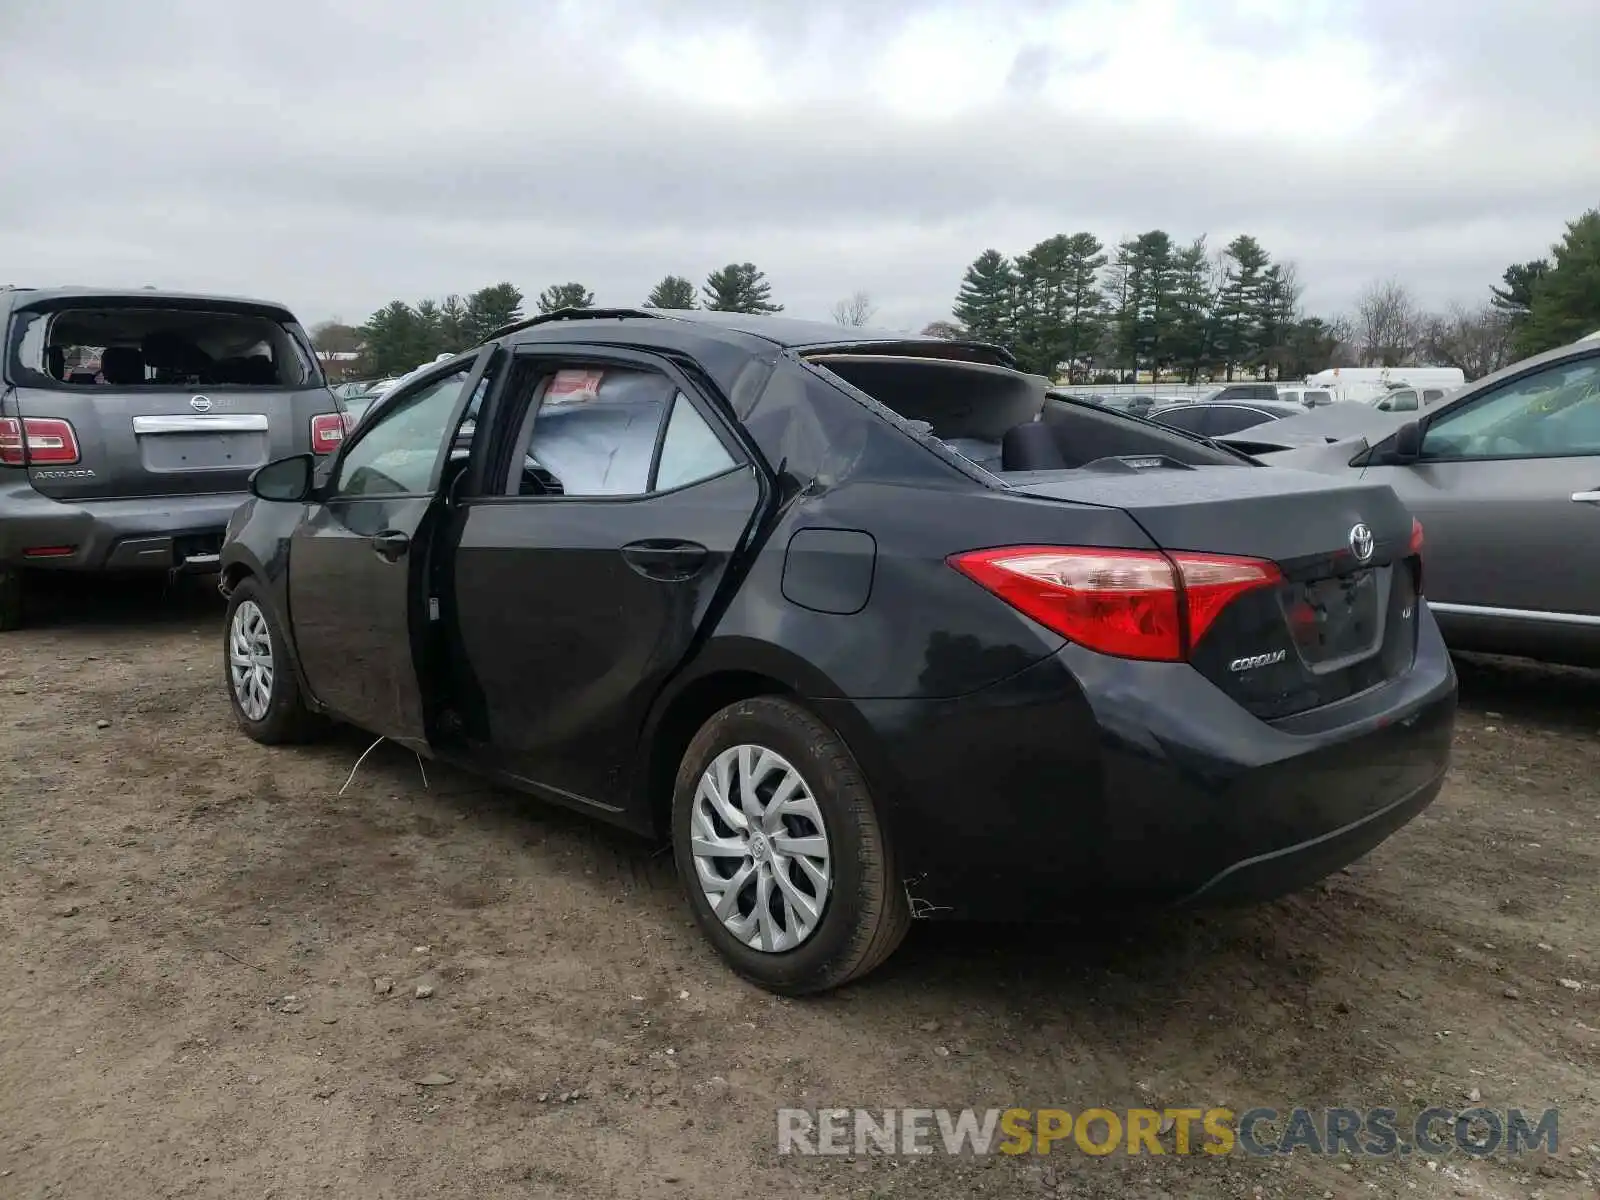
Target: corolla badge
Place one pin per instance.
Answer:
(1258, 660)
(1361, 542)
(200, 403)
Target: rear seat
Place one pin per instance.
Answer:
(1031, 446)
(122, 365)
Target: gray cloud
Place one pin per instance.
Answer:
(338, 157)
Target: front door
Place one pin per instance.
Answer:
(1506, 491)
(358, 563)
(583, 577)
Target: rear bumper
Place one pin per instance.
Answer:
(154, 533)
(1084, 779)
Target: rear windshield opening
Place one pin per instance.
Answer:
(982, 413)
(155, 347)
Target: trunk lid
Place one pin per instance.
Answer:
(170, 443)
(1337, 623)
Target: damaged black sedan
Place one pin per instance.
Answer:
(869, 626)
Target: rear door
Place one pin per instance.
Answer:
(595, 558)
(160, 396)
(1508, 492)
(359, 562)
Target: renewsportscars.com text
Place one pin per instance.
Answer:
(1259, 1132)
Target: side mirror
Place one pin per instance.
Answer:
(1407, 446)
(284, 480)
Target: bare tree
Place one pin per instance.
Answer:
(1388, 325)
(947, 331)
(856, 310)
(1476, 340)
(1345, 352)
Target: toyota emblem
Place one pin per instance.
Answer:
(1361, 542)
(200, 403)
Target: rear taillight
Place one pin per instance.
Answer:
(1127, 603)
(328, 430)
(50, 440)
(1414, 550)
(1211, 582)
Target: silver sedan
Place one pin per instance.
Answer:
(1504, 476)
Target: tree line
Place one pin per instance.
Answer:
(1149, 306)
(402, 335)
(1154, 305)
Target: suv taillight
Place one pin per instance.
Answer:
(1127, 603)
(1414, 550)
(328, 430)
(50, 440)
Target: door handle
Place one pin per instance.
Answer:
(391, 544)
(1586, 497)
(666, 559)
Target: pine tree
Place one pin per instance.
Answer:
(430, 339)
(564, 295)
(1565, 304)
(1058, 306)
(1516, 297)
(1239, 303)
(740, 288)
(1193, 295)
(492, 308)
(674, 291)
(986, 305)
(393, 344)
(453, 333)
(1278, 311)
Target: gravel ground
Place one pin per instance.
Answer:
(223, 977)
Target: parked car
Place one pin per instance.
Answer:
(1209, 419)
(1242, 391)
(724, 579)
(1505, 477)
(1409, 399)
(352, 388)
(136, 463)
(1134, 405)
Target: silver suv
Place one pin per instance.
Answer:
(130, 422)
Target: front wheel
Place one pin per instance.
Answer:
(781, 851)
(262, 686)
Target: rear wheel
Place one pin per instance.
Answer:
(780, 849)
(10, 599)
(262, 686)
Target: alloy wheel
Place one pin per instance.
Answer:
(760, 848)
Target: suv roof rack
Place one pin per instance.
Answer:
(570, 314)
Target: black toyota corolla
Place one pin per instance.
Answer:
(868, 626)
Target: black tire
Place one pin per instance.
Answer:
(865, 913)
(10, 599)
(287, 719)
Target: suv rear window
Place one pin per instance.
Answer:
(150, 346)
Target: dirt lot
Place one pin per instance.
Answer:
(167, 887)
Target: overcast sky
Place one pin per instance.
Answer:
(335, 155)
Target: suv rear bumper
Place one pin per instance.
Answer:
(1084, 780)
(155, 533)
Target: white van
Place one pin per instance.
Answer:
(1340, 378)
